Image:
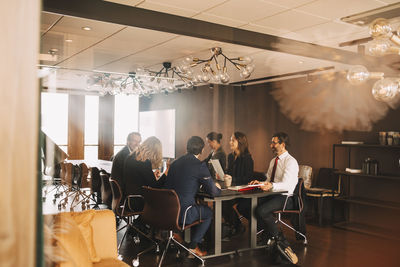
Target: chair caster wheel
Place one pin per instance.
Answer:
(135, 262)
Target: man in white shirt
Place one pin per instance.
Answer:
(282, 174)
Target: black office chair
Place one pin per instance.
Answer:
(106, 193)
(161, 211)
(123, 211)
(296, 212)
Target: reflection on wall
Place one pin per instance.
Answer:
(161, 124)
(330, 103)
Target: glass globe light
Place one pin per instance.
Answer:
(378, 47)
(385, 89)
(357, 75)
(224, 77)
(188, 60)
(380, 29)
(247, 60)
(244, 73)
(250, 68)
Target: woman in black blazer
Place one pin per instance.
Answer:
(141, 169)
(240, 168)
(240, 162)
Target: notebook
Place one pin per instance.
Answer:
(218, 169)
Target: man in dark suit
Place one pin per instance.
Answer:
(132, 142)
(185, 176)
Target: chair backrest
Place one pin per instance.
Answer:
(84, 183)
(298, 195)
(161, 208)
(306, 173)
(116, 196)
(106, 194)
(67, 178)
(327, 179)
(96, 180)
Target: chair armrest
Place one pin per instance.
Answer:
(126, 201)
(184, 217)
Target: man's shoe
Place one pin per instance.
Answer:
(178, 238)
(198, 252)
(287, 252)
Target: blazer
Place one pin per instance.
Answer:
(221, 156)
(241, 169)
(117, 169)
(138, 174)
(185, 176)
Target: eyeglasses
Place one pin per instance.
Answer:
(274, 143)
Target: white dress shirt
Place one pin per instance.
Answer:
(286, 174)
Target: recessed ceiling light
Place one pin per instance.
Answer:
(53, 51)
(68, 40)
(86, 28)
(301, 61)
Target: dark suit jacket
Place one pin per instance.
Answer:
(221, 156)
(117, 169)
(241, 169)
(137, 174)
(185, 176)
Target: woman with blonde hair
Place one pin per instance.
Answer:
(141, 168)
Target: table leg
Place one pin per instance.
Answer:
(253, 224)
(217, 231)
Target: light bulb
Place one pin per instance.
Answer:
(205, 77)
(246, 60)
(385, 89)
(188, 60)
(250, 68)
(359, 74)
(378, 47)
(244, 73)
(380, 29)
(225, 78)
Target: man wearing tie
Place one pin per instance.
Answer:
(282, 175)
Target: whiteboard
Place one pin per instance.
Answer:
(161, 124)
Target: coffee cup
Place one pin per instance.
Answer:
(228, 180)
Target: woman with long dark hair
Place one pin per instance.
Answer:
(217, 152)
(240, 162)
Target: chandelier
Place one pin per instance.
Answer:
(215, 68)
(142, 82)
(384, 42)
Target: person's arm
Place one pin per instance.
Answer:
(289, 178)
(207, 182)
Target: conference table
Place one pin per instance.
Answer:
(227, 194)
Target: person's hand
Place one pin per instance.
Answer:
(254, 182)
(157, 174)
(218, 185)
(168, 164)
(266, 186)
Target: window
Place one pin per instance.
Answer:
(54, 116)
(126, 119)
(91, 127)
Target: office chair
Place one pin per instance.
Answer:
(106, 194)
(123, 211)
(295, 211)
(327, 185)
(161, 211)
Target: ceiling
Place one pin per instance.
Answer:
(112, 47)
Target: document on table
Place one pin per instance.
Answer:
(218, 169)
(244, 187)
